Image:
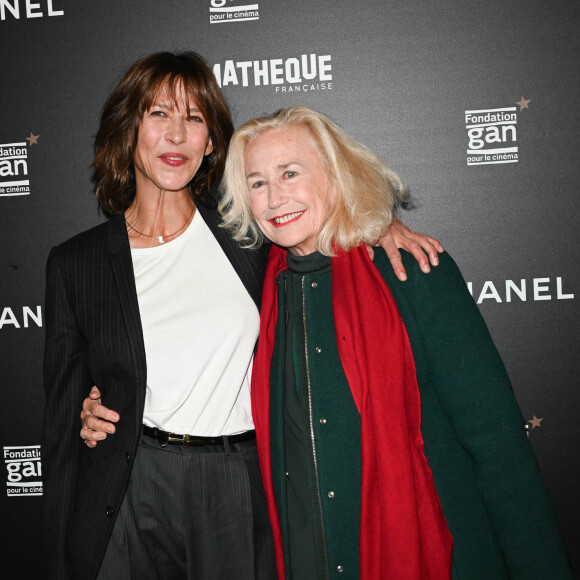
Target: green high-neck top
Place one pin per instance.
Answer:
(320, 499)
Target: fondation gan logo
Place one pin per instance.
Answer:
(299, 74)
(492, 134)
(14, 167)
(23, 471)
(222, 11)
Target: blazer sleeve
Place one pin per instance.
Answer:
(475, 393)
(66, 383)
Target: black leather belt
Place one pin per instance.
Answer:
(166, 438)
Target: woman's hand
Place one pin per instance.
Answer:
(97, 420)
(420, 245)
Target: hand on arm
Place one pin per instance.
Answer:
(423, 248)
(97, 420)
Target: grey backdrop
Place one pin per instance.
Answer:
(398, 75)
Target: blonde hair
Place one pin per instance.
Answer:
(365, 189)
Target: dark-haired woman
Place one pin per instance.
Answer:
(158, 307)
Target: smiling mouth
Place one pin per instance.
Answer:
(175, 158)
(284, 219)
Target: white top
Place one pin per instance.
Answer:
(200, 326)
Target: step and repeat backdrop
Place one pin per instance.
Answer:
(474, 103)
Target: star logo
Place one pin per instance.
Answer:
(33, 138)
(523, 103)
(535, 422)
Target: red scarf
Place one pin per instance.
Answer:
(403, 533)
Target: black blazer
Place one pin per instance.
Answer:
(94, 337)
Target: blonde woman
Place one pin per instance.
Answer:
(390, 442)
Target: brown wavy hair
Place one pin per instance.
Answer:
(116, 139)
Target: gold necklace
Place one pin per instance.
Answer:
(160, 238)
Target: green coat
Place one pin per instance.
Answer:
(485, 473)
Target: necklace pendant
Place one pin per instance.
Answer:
(161, 240)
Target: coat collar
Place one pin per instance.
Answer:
(117, 238)
(121, 265)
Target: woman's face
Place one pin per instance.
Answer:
(289, 190)
(171, 144)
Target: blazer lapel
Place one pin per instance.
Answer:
(119, 253)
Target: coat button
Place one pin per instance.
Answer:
(110, 511)
(339, 568)
(314, 284)
(128, 457)
(318, 349)
(330, 494)
(323, 421)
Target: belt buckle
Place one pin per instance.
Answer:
(177, 439)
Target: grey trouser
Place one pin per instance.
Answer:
(192, 513)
